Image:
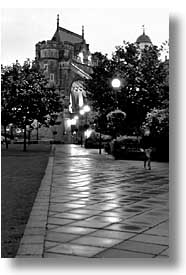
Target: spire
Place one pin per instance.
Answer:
(57, 22)
(143, 26)
(83, 32)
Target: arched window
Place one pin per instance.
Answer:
(78, 95)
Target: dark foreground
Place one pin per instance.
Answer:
(21, 174)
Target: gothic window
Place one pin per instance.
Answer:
(78, 95)
(70, 105)
(45, 67)
(52, 77)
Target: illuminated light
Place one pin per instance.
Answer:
(147, 132)
(86, 108)
(116, 83)
(80, 55)
(70, 105)
(80, 99)
(18, 131)
(81, 112)
(76, 117)
(88, 133)
(68, 122)
(73, 121)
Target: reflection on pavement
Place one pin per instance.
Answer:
(96, 192)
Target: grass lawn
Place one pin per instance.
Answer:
(21, 175)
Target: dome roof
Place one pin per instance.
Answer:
(143, 39)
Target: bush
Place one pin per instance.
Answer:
(94, 140)
(126, 147)
(130, 148)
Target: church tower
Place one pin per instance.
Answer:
(67, 62)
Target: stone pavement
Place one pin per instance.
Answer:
(92, 206)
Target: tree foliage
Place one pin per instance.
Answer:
(26, 95)
(115, 122)
(158, 121)
(144, 78)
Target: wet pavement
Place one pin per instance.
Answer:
(92, 206)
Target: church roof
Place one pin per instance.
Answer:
(63, 35)
(79, 71)
(143, 38)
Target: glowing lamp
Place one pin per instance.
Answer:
(86, 108)
(82, 112)
(116, 83)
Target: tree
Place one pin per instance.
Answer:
(29, 96)
(99, 91)
(8, 97)
(145, 87)
(157, 120)
(115, 122)
(144, 83)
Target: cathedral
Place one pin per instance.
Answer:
(66, 61)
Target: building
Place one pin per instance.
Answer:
(143, 40)
(66, 61)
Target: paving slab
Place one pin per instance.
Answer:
(117, 253)
(141, 247)
(92, 206)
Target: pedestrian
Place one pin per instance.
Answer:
(147, 148)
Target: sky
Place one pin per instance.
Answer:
(40, 28)
(105, 28)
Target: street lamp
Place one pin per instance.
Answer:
(76, 118)
(86, 108)
(81, 126)
(116, 84)
(73, 121)
(112, 116)
(82, 112)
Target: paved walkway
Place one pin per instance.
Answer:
(92, 206)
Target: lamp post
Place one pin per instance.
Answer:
(86, 109)
(24, 143)
(83, 112)
(37, 133)
(116, 84)
(73, 123)
(76, 118)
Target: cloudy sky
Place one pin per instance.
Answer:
(106, 28)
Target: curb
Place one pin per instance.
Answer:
(32, 242)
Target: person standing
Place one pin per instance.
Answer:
(147, 148)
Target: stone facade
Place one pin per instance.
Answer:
(66, 62)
